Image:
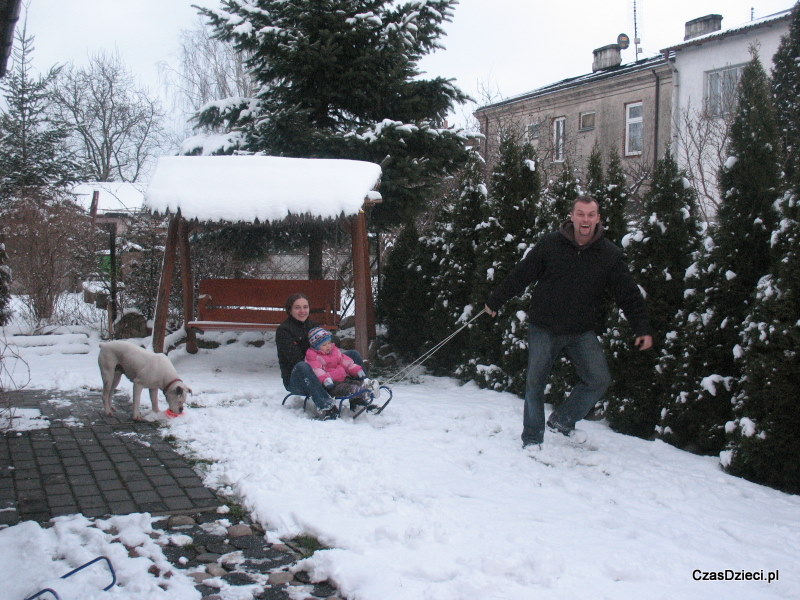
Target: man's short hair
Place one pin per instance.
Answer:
(586, 199)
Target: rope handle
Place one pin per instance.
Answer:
(403, 373)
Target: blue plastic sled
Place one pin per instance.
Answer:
(372, 406)
(71, 573)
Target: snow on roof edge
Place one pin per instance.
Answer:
(266, 188)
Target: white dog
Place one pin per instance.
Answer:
(146, 370)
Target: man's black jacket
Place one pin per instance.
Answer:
(571, 282)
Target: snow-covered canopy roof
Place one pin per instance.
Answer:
(114, 197)
(267, 188)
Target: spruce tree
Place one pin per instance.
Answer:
(450, 251)
(557, 200)
(398, 304)
(786, 95)
(523, 192)
(740, 255)
(502, 242)
(340, 79)
(765, 432)
(595, 186)
(614, 204)
(34, 160)
(659, 252)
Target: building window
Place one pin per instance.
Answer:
(534, 130)
(559, 139)
(634, 127)
(586, 121)
(721, 96)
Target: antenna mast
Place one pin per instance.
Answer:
(636, 40)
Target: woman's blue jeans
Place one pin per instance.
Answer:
(303, 382)
(586, 353)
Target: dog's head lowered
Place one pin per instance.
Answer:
(177, 394)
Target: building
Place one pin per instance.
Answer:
(642, 108)
(706, 68)
(9, 15)
(624, 107)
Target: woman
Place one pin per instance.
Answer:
(292, 341)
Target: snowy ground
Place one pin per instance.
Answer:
(435, 499)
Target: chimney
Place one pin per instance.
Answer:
(703, 25)
(607, 57)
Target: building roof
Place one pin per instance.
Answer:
(644, 64)
(263, 188)
(783, 15)
(9, 15)
(114, 196)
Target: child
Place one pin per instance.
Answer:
(340, 375)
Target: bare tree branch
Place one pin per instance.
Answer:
(118, 128)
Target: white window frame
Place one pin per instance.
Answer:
(582, 126)
(721, 87)
(634, 129)
(559, 139)
(534, 130)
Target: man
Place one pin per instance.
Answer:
(572, 269)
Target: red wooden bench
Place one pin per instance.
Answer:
(260, 304)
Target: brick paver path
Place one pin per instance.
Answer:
(85, 462)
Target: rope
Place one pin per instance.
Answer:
(405, 372)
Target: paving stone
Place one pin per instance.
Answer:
(323, 590)
(180, 521)
(140, 485)
(220, 547)
(26, 485)
(55, 488)
(178, 503)
(75, 471)
(207, 557)
(152, 507)
(238, 578)
(67, 509)
(163, 480)
(110, 484)
(274, 593)
(50, 469)
(117, 495)
(239, 530)
(201, 494)
(216, 569)
(84, 486)
(280, 577)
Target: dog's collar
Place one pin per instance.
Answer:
(166, 387)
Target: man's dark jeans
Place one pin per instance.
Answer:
(586, 353)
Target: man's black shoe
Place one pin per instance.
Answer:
(558, 428)
(576, 436)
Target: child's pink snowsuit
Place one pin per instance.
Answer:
(334, 367)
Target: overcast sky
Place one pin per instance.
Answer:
(504, 46)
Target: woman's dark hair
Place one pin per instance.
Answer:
(292, 299)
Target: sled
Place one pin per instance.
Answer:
(372, 405)
(71, 573)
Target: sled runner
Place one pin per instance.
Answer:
(371, 400)
(40, 593)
